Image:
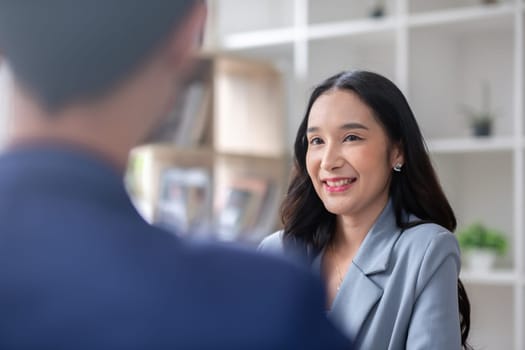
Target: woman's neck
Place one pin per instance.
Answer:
(351, 230)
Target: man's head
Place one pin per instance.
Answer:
(100, 56)
(64, 51)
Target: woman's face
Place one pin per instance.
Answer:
(349, 157)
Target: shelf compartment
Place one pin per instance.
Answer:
(449, 68)
(479, 187)
(238, 16)
(254, 91)
(146, 167)
(338, 10)
(491, 322)
(372, 51)
(264, 179)
(326, 57)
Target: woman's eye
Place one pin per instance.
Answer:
(352, 138)
(316, 141)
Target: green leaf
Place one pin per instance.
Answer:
(478, 236)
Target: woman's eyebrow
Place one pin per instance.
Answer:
(347, 126)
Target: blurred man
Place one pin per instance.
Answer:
(79, 268)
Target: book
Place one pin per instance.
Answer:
(193, 114)
(185, 124)
(185, 200)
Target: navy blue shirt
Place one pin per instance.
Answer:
(80, 269)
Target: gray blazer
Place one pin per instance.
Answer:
(400, 292)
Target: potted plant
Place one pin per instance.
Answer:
(481, 121)
(481, 245)
(378, 9)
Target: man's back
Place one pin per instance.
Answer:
(81, 269)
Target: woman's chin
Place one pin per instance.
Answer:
(339, 209)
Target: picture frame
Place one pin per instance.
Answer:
(185, 200)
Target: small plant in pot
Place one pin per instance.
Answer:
(377, 9)
(481, 246)
(481, 121)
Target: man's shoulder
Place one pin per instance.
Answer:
(241, 261)
(264, 294)
(240, 270)
(240, 264)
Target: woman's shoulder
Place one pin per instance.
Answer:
(272, 243)
(426, 248)
(430, 228)
(429, 237)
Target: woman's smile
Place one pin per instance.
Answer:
(337, 185)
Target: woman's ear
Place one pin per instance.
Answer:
(397, 156)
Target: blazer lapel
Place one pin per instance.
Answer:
(359, 293)
(356, 298)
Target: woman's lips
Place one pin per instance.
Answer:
(338, 184)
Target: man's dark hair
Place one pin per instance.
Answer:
(63, 51)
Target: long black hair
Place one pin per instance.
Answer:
(415, 190)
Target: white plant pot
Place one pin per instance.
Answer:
(480, 260)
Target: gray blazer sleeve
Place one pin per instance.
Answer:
(272, 244)
(434, 323)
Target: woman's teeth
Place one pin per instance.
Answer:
(339, 183)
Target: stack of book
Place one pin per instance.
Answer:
(185, 125)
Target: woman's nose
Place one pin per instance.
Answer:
(331, 159)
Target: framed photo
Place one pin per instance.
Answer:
(240, 207)
(185, 200)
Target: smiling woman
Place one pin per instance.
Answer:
(366, 210)
(349, 157)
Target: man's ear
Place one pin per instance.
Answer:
(187, 37)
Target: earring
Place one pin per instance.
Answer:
(397, 167)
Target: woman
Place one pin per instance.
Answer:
(365, 207)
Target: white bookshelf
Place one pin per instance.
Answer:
(472, 145)
(497, 278)
(439, 52)
(4, 93)
(460, 15)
